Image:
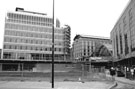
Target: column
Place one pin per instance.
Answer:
(19, 66)
(1, 67)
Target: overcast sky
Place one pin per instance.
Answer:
(88, 17)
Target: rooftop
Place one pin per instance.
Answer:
(90, 36)
(22, 10)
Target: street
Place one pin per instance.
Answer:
(58, 85)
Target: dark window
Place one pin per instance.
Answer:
(55, 49)
(126, 44)
(121, 46)
(50, 49)
(117, 48)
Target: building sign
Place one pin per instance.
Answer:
(98, 59)
(95, 58)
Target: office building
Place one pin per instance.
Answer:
(28, 37)
(123, 37)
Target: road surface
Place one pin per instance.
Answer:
(58, 85)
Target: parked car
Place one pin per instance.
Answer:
(120, 74)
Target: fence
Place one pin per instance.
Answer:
(65, 72)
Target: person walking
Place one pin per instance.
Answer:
(132, 73)
(112, 73)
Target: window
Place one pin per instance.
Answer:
(59, 49)
(50, 49)
(36, 48)
(45, 49)
(18, 40)
(126, 44)
(28, 48)
(12, 47)
(19, 47)
(55, 49)
(124, 22)
(41, 49)
(121, 46)
(22, 40)
(5, 46)
(31, 41)
(36, 41)
(6, 39)
(26, 41)
(15, 47)
(24, 48)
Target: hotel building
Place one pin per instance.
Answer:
(86, 46)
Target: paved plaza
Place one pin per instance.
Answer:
(58, 85)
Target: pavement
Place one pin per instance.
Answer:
(125, 80)
(64, 84)
(58, 85)
(123, 83)
(121, 79)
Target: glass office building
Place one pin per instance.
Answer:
(28, 36)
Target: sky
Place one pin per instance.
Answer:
(87, 17)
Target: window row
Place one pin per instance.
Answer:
(31, 41)
(32, 28)
(31, 56)
(34, 48)
(35, 35)
(29, 22)
(28, 17)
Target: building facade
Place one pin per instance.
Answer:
(28, 37)
(123, 36)
(85, 46)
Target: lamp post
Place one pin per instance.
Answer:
(53, 48)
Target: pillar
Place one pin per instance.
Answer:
(19, 66)
(1, 67)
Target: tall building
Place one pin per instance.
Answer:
(28, 36)
(123, 36)
(86, 46)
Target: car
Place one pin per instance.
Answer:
(120, 74)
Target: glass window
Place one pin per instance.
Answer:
(31, 41)
(20, 47)
(55, 49)
(59, 49)
(5, 46)
(15, 47)
(45, 49)
(23, 47)
(50, 49)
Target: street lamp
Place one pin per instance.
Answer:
(53, 48)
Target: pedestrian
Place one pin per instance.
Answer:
(112, 73)
(132, 73)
